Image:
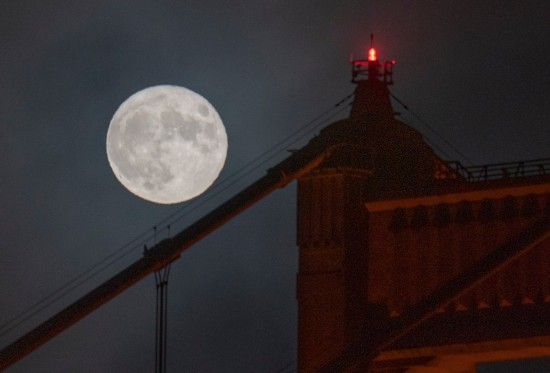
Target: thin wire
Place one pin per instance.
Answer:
(145, 236)
(432, 129)
(206, 200)
(271, 149)
(433, 145)
(288, 365)
(193, 205)
(68, 288)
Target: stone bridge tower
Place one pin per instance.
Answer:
(388, 231)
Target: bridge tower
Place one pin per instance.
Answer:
(385, 227)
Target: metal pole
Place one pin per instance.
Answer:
(161, 279)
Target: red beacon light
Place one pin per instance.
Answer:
(372, 54)
(370, 69)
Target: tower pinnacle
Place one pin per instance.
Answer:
(370, 68)
(372, 79)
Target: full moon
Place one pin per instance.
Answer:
(166, 144)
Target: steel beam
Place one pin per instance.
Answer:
(169, 250)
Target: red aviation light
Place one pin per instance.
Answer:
(372, 54)
(370, 68)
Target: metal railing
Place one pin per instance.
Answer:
(499, 171)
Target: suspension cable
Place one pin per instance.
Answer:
(423, 122)
(287, 366)
(133, 244)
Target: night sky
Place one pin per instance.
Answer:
(475, 71)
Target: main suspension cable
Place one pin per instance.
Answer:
(423, 122)
(135, 243)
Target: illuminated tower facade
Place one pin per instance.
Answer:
(395, 250)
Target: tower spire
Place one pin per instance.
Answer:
(370, 68)
(372, 79)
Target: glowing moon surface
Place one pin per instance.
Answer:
(166, 144)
